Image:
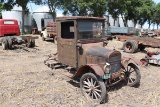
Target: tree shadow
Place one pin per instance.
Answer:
(24, 48)
(49, 40)
(74, 83)
(120, 85)
(116, 86)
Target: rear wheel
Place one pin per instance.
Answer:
(9, 40)
(31, 43)
(93, 86)
(4, 44)
(130, 46)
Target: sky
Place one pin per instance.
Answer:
(34, 7)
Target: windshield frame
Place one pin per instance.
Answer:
(91, 31)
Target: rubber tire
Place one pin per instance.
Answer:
(9, 40)
(43, 39)
(41, 34)
(32, 42)
(101, 83)
(4, 44)
(138, 75)
(133, 44)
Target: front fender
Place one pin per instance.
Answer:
(94, 68)
(127, 60)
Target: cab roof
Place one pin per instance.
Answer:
(79, 18)
(8, 20)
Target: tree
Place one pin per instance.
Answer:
(134, 11)
(156, 16)
(147, 12)
(1, 8)
(84, 7)
(98, 8)
(139, 11)
(127, 9)
(52, 5)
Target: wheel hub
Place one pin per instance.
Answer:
(92, 88)
(129, 46)
(127, 74)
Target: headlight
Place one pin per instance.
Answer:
(107, 68)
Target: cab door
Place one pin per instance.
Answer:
(67, 43)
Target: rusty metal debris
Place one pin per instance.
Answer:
(151, 58)
(49, 32)
(133, 43)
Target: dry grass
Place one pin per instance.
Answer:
(26, 82)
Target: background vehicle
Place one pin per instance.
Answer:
(122, 30)
(10, 34)
(80, 46)
(133, 43)
(152, 34)
(49, 32)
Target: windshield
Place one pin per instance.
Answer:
(89, 30)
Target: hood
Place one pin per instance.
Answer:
(101, 55)
(98, 51)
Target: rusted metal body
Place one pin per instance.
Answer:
(152, 58)
(9, 27)
(80, 45)
(50, 32)
(51, 28)
(145, 41)
(27, 39)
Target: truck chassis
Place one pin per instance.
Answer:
(8, 41)
(133, 43)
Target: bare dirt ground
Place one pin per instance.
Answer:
(26, 82)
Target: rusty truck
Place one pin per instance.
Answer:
(10, 35)
(80, 45)
(49, 32)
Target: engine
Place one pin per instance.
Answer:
(109, 60)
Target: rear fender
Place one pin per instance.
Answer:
(94, 68)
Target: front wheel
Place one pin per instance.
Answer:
(132, 74)
(94, 87)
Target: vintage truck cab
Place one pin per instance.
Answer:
(80, 45)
